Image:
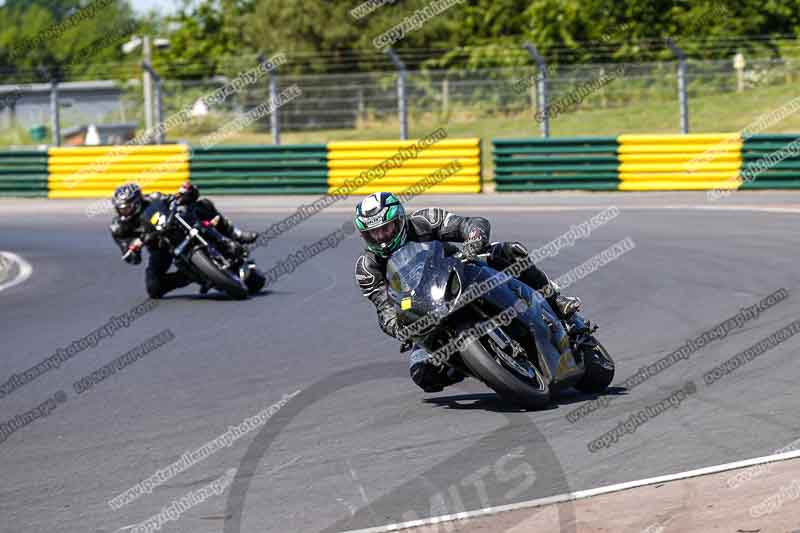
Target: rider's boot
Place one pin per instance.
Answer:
(244, 237)
(564, 306)
(226, 227)
(205, 286)
(429, 376)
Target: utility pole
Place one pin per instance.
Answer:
(402, 109)
(541, 89)
(55, 121)
(159, 138)
(683, 97)
(147, 84)
(274, 119)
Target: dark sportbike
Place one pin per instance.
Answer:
(526, 359)
(195, 245)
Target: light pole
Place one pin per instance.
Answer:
(683, 96)
(159, 102)
(147, 72)
(402, 108)
(147, 84)
(541, 89)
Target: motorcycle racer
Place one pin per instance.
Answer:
(129, 233)
(383, 224)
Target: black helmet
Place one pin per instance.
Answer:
(127, 200)
(187, 194)
(381, 220)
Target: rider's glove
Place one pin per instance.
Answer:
(134, 259)
(476, 243)
(134, 253)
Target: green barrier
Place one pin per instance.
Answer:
(771, 161)
(560, 186)
(23, 173)
(257, 169)
(266, 190)
(575, 163)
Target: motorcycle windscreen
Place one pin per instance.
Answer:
(406, 266)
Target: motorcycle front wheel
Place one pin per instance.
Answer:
(527, 390)
(222, 280)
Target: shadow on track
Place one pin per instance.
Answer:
(215, 296)
(480, 401)
(489, 401)
(571, 396)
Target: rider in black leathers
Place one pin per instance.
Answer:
(129, 233)
(426, 225)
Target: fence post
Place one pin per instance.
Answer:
(603, 100)
(274, 119)
(445, 96)
(683, 97)
(738, 64)
(534, 99)
(274, 123)
(55, 120)
(361, 116)
(159, 103)
(541, 87)
(401, 93)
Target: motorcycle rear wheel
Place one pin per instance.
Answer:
(599, 368)
(255, 280)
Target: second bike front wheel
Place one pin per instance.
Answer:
(222, 280)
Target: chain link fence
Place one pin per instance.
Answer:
(362, 101)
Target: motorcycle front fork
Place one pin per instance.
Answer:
(580, 331)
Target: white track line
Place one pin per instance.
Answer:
(24, 270)
(579, 495)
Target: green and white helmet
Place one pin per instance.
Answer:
(381, 220)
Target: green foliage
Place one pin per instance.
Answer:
(321, 36)
(77, 44)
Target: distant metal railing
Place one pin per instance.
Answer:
(357, 100)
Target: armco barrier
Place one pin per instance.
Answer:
(679, 162)
(261, 169)
(23, 173)
(94, 172)
(627, 162)
(348, 159)
(587, 163)
(771, 162)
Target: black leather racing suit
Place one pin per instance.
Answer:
(157, 280)
(427, 225)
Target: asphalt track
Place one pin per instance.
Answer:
(360, 446)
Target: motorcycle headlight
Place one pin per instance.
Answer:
(453, 290)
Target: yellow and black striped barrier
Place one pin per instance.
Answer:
(679, 162)
(93, 172)
(395, 166)
(648, 162)
(430, 165)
